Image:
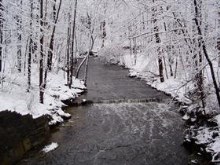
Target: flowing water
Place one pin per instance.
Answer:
(129, 124)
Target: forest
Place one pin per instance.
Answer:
(173, 45)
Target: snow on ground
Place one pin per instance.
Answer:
(15, 98)
(50, 147)
(174, 87)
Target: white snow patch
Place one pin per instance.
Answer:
(204, 136)
(217, 118)
(50, 147)
(186, 117)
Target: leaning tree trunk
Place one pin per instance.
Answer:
(54, 11)
(204, 49)
(51, 44)
(49, 57)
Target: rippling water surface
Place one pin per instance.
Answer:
(118, 133)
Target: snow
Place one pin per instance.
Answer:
(186, 117)
(217, 118)
(50, 147)
(194, 161)
(215, 147)
(174, 87)
(209, 139)
(204, 136)
(15, 98)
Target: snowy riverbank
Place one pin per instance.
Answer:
(25, 119)
(15, 98)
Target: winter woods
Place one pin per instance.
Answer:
(38, 38)
(166, 40)
(176, 42)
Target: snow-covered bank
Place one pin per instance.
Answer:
(15, 98)
(205, 138)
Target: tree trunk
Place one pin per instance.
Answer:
(54, 11)
(218, 37)
(72, 47)
(19, 37)
(203, 46)
(41, 67)
(68, 51)
(198, 56)
(103, 33)
(158, 41)
(135, 50)
(92, 42)
(170, 66)
(51, 45)
(30, 50)
(165, 67)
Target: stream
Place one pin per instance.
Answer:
(129, 123)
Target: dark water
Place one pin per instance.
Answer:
(117, 133)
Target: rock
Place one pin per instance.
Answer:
(19, 134)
